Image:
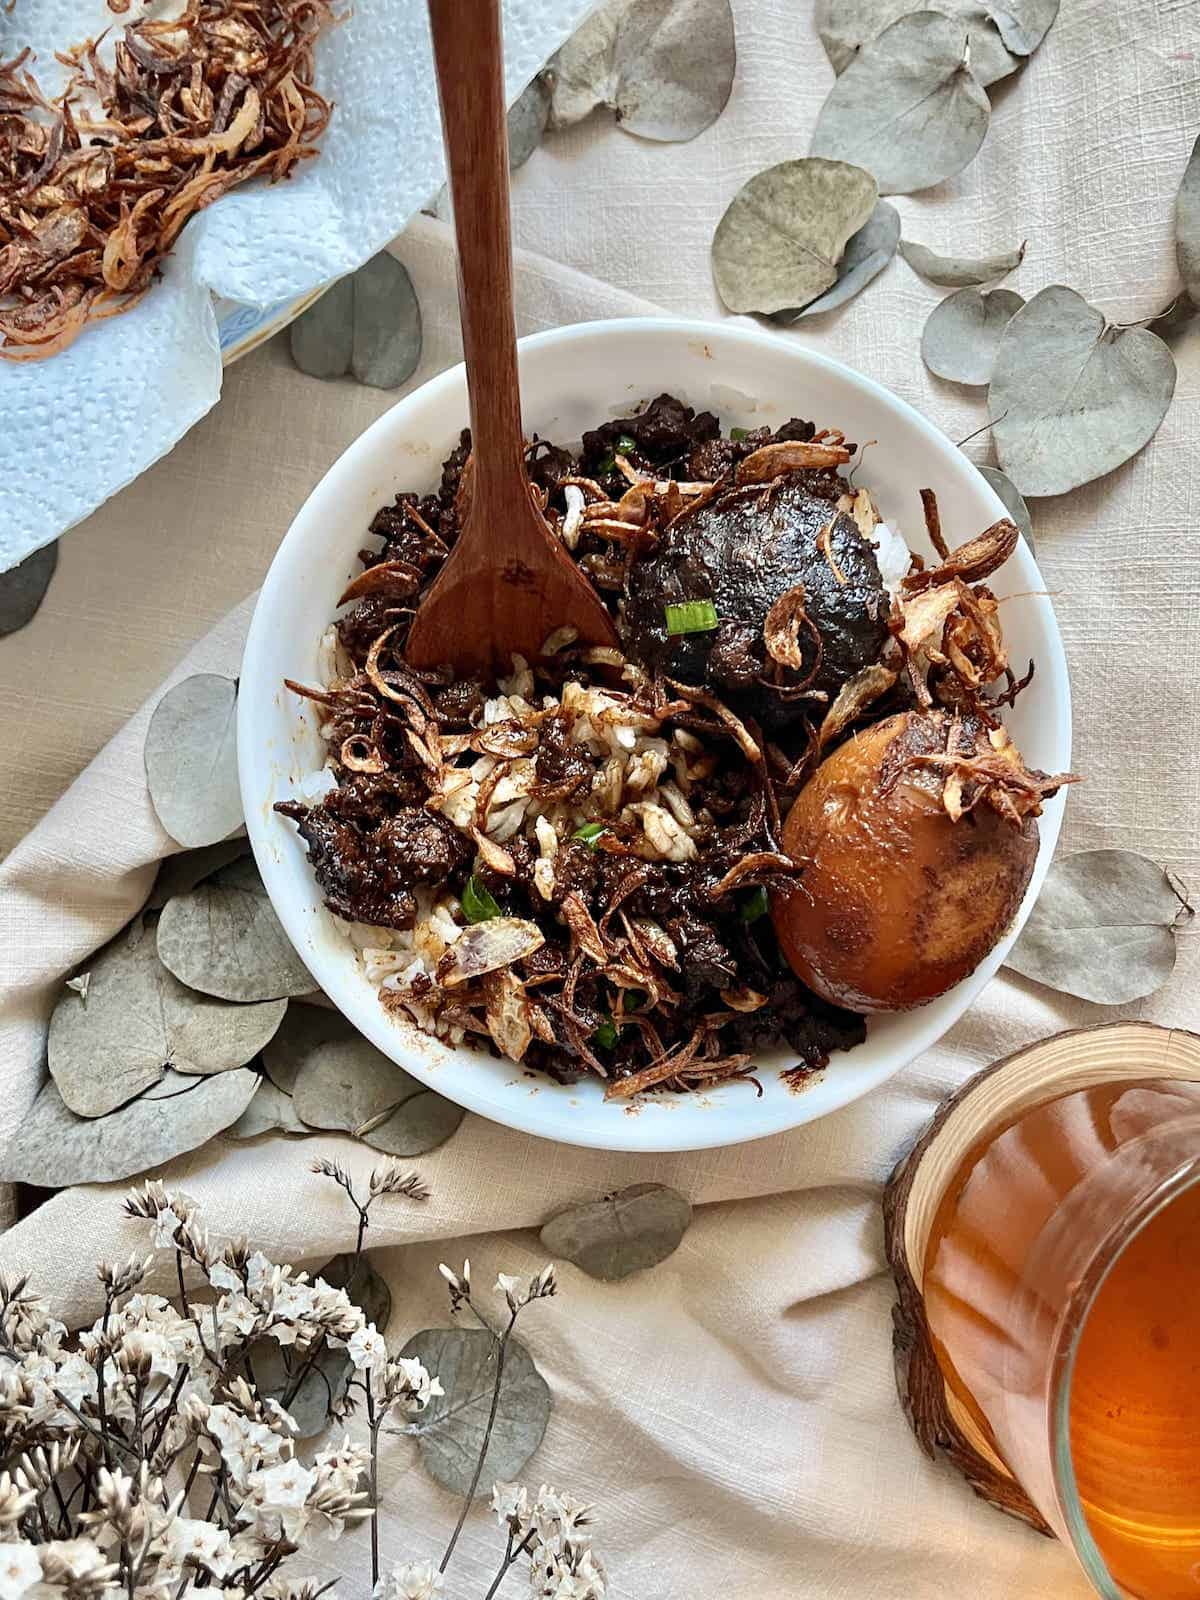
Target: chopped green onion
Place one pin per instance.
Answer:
(590, 833)
(625, 445)
(691, 616)
(738, 434)
(606, 1035)
(477, 903)
(755, 905)
(635, 999)
(606, 464)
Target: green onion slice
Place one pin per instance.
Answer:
(755, 905)
(477, 903)
(738, 434)
(625, 445)
(590, 833)
(606, 1035)
(691, 616)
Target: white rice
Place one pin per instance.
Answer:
(893, 554)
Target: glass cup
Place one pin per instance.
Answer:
(1061, 1288)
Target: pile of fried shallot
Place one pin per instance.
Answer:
(151, 126)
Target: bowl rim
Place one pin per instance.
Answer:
(570, 1124)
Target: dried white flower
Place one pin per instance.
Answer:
(245, 1444)
(75, 1378)
(460, 1283)
(15, 1501)
(416, 1580)
(392, 1179)
(558, 1519)
(166, 1225)
(195, 1543)
(343, 1465)
(408, 1385)
(122, 1280)
(77, 1565)
(276, 1502)
(513, 1290)
(20, 1569)
(510, 1502)
(519, 1291)
(367, 1349)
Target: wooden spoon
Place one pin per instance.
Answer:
(508, 582)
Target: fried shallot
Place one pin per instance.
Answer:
(97, 183)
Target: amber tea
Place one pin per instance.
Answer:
(1062, 1291)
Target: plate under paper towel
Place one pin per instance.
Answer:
(80, 425)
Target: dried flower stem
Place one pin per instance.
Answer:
(501, 1347)
(510, 1556)
(374, 1422)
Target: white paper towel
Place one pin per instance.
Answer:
(77, 427)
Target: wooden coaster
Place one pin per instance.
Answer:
(1080, 1059)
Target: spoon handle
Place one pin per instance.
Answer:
(468, 55)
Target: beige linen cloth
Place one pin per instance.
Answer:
(732, 1414)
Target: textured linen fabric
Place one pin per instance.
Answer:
(732, 1413)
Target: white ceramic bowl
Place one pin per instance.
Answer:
(571, 379)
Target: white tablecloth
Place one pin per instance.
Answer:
(732, 1413)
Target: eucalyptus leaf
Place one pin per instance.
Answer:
(23, 588)
(368, 324)
(527, 119)
(386, 348)
(135, 1021)
(1023, 24)
(224, 939)
(303, 1030)
(867, 253)
(1014, 501)
(180, 873)
(1071, 397)
(191, 760)
(271, 1111)
(308, 1391)
(960, 272)
(664, 66)
(963, 333)
(908, 108)
(846, 25)
(322, 338)
(779, 243)
(450, 1432)
(622, 1233)
(54, 1146)
(345, 1084)
(1103, 928)
(1187, 226)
